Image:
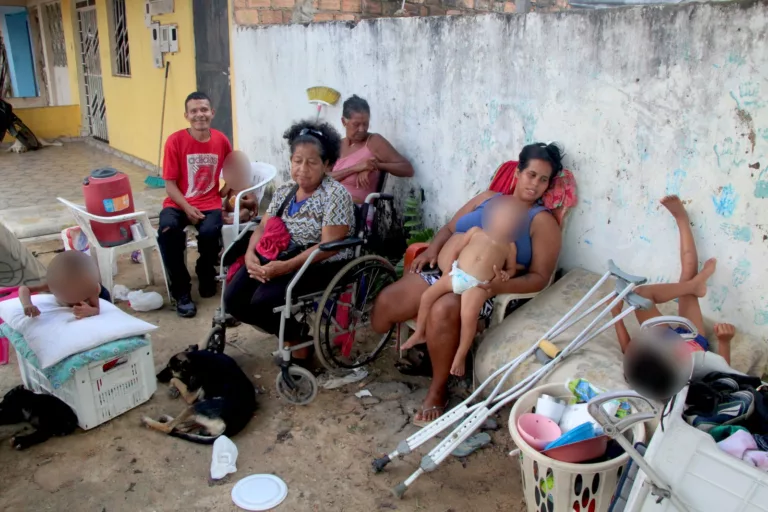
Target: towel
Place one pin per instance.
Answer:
(274, 240)
(561, 195)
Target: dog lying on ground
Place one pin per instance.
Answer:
(221, 398)
(47, 414)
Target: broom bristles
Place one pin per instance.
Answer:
(321, 94)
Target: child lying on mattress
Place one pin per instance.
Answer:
(478, 256)
(73, 280)
(692, 286)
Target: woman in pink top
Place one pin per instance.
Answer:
(364, 156)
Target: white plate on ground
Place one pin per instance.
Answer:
(259, 492)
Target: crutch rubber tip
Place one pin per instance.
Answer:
(380, 464)
(399, 490)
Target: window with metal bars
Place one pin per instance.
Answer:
(56, 33)
(121, 59)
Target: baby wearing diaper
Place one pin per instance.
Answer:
(479, 257)
(73, 279)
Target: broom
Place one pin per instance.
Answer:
(320, 96)
(157, 181)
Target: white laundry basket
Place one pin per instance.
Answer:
(700, 475)
(553, 486)
(102, 390)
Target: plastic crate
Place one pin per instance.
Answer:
(104, 389)
(699, 474)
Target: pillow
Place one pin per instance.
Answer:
(56, 334)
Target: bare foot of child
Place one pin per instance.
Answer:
(701, 278)
(457, 368)
(674, 205)
(724, 333)
(416, 338)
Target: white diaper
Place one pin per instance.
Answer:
(462, 281)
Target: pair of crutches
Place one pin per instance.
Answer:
(469, 417)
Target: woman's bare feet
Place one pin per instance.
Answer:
(700, 287)
(675, 206)
(433, 407)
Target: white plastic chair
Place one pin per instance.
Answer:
(107, 256)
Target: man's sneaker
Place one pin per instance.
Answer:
(734, 408)
(207, 289)
(185, 308)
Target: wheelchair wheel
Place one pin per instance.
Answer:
(305, 385)
(217, 339)
(343, 337)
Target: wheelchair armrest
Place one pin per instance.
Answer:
(386, 197)
(256, 219)
(341, 244)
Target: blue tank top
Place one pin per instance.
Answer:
(523, 241)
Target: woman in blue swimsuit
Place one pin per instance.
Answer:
(538, 248)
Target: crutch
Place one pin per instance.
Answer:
(479, 412)
(614, 427)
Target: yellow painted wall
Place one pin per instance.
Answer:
(51, 122)
(134, 104)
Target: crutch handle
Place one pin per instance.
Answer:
(620, 274)
(614, 426)
(549, 348)
(672, 321)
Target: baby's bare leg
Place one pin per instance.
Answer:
(471, 303)
(428, 299)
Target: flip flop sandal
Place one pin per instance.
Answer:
(472, 444)
(424, 423)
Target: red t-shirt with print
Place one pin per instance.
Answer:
(196, 168)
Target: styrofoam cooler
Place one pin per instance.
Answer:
(700, 475)
(104, 389)
(550, 485)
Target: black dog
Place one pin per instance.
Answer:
(221, 397)
(46, 413)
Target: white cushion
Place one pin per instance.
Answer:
(56, 334)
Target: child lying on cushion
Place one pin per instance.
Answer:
(692, 286)
(237, 177)
(477, 257)
(73, 279)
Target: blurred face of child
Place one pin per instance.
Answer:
(72, 289)
(505, 216)
(236, 171)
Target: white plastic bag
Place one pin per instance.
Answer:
(120, 292)
(224, 458)
(145, 301)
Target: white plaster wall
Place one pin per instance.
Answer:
(646, 102)
(60, 79)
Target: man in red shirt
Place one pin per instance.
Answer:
(191, 170)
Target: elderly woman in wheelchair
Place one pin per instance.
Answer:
(303, 263)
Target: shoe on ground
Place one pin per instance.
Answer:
(207, 290)
(736, 407)
(185, 308)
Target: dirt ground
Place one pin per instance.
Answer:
(322, 451)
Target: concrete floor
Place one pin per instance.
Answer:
(32, 181)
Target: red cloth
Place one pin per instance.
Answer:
(560, 196)
(12, 293)
(233, 268)
(196, 168)
(275, 238)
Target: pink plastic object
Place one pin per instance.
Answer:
(6, 294)
(537, 430)
(579, 452)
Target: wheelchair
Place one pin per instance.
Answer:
(338, 316)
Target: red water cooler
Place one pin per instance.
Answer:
(107, 193)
